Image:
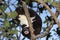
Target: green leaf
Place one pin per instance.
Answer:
(13, 31)
(6, 23)
(54, 3)
(48, 0)
(2, 16)
(44, 29)
(45, 21)
(12, 14)
(44, 0)
(3, 7)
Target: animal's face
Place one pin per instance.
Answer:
(25, 30)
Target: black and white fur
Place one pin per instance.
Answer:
(35, 19)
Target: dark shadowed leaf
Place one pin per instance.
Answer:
(3, 7)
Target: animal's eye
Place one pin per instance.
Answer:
(24, 25)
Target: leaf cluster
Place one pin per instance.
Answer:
(8, 28)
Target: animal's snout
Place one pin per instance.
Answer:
(26, 32)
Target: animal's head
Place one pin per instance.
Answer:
(25, 30)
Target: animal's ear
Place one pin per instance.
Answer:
(23, 25)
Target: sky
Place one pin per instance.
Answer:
(43, 15)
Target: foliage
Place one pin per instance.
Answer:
(3, 7)
(8, 28)
(53, 2)
(12, 14)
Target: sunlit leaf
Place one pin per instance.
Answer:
(12, 14)
(54, 3)
(0, 0)
(13, 31)
(6, 23)
(44, 0)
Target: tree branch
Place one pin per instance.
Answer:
(29, 21)
(52, 14)
(46, 32)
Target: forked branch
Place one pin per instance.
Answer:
(52, 14)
